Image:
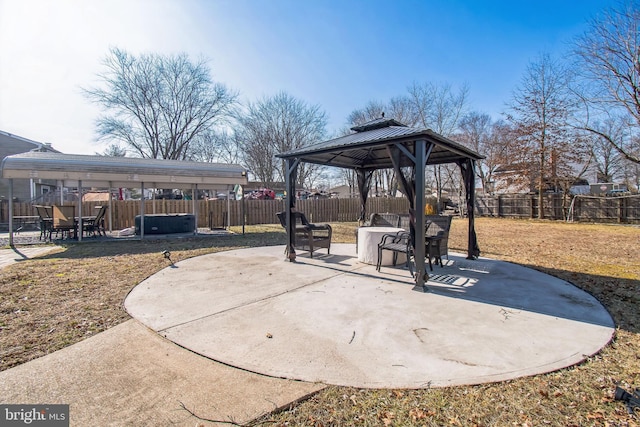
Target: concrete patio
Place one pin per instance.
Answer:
(334, 320)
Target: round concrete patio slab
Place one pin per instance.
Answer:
(334, 320)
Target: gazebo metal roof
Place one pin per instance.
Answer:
(367, 147)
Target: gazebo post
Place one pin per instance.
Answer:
(469, 174)
(419, 249)
(364, 185)
(291, 165)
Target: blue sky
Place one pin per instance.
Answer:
(336, 54)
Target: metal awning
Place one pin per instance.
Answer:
(103, 171)
(75, 170)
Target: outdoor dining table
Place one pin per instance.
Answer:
(22, 220)
(368, 239)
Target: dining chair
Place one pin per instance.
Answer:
(64, 220)
(46, 220)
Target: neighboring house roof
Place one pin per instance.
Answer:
(37, 146)
(103, 171)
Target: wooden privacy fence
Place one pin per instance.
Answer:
(558, 207)
(213, 213)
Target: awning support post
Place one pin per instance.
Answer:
(80, 224)
(141, 211)
(11, 212)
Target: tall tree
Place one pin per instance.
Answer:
(608, 161)
(158, 105)
(540, 111)
(608, 58)
(440, 108)
(275, 125)
(398, 108)
(217, 146)
(113, 150)
(480, 133)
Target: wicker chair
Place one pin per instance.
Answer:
(439, 226)
(308, 237)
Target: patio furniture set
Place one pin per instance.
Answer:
(384, 239)
(62, 220)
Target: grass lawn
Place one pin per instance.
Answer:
(54, 301)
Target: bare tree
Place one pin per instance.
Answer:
(540, 112)
(275, 125)
(217, 146)
(609, 162)
(113, 150)
(439, 107)
(158, 105)
(608, 58)
(480, 133)
(373, 110)
(398, 108)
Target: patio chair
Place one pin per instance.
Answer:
(64, 220)
(397, 243)
(438, 230)
(93, 225)
(46, 220)
(307, 236)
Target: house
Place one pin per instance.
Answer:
(23, 190)
(343, 192)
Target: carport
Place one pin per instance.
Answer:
(385, 143)
(74, 170)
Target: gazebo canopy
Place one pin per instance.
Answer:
(367, 147)
(387, 143)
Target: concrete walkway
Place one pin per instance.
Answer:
(329, 319)
(11, 256)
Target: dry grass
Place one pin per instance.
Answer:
(48, 303)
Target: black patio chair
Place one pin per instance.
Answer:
(307, 236)
(397, 243)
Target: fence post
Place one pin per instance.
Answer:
(621, 210)
(532, 200)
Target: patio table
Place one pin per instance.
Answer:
(368, 239)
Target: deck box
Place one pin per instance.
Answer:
(166, 223)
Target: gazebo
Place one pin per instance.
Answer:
(385, 143)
